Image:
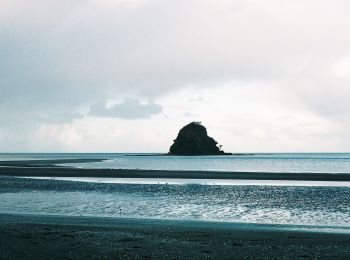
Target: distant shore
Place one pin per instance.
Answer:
(50, 168)
(44, 237)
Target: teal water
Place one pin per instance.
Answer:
(277, 162)
(292, 205)
(252, 202)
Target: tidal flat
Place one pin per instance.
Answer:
(58, 237)
(50, 210)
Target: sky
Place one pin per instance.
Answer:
(126, 75)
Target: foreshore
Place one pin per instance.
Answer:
(51, 168)
(57, 237)
(25, 236)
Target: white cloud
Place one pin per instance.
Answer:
(250, 61)
(342, 68)
(113, 3)
(130, 108)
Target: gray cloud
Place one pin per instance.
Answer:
(58, 57)
(77, 51)
(128, 109)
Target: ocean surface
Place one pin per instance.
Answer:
(255, 202)
(282, 162)
(322, 206)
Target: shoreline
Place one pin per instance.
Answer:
(39, 237)
(44, 171)
(51, 168)
(112, 222)
(49, 163)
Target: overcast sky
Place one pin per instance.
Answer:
(126, 75)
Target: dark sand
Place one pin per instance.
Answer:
(55, 237)
(45, 163)
(49, 168)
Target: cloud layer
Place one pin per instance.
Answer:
(59, 59)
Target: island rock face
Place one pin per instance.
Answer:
(194, 140)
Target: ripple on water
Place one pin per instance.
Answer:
(252, 204)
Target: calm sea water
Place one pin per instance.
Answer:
(320, 206)
(290, 162)
(250, 203)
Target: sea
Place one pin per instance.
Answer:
(304, 203)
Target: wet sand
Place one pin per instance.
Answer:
(124, 173)
(58, 237)
(53, 163)
(50, 168)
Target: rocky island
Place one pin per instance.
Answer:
(193, 139)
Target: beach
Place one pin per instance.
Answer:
(52, 168)
(58, 237)
(56, 219)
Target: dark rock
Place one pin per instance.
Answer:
(194, 140)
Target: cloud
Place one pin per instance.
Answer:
(59, 57)
(77, 51)
(128, 109)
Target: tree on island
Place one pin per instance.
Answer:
(193, 139)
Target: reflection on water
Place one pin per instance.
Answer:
(324, 162)
(174, 181)
(278, 162)
(251, 204)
